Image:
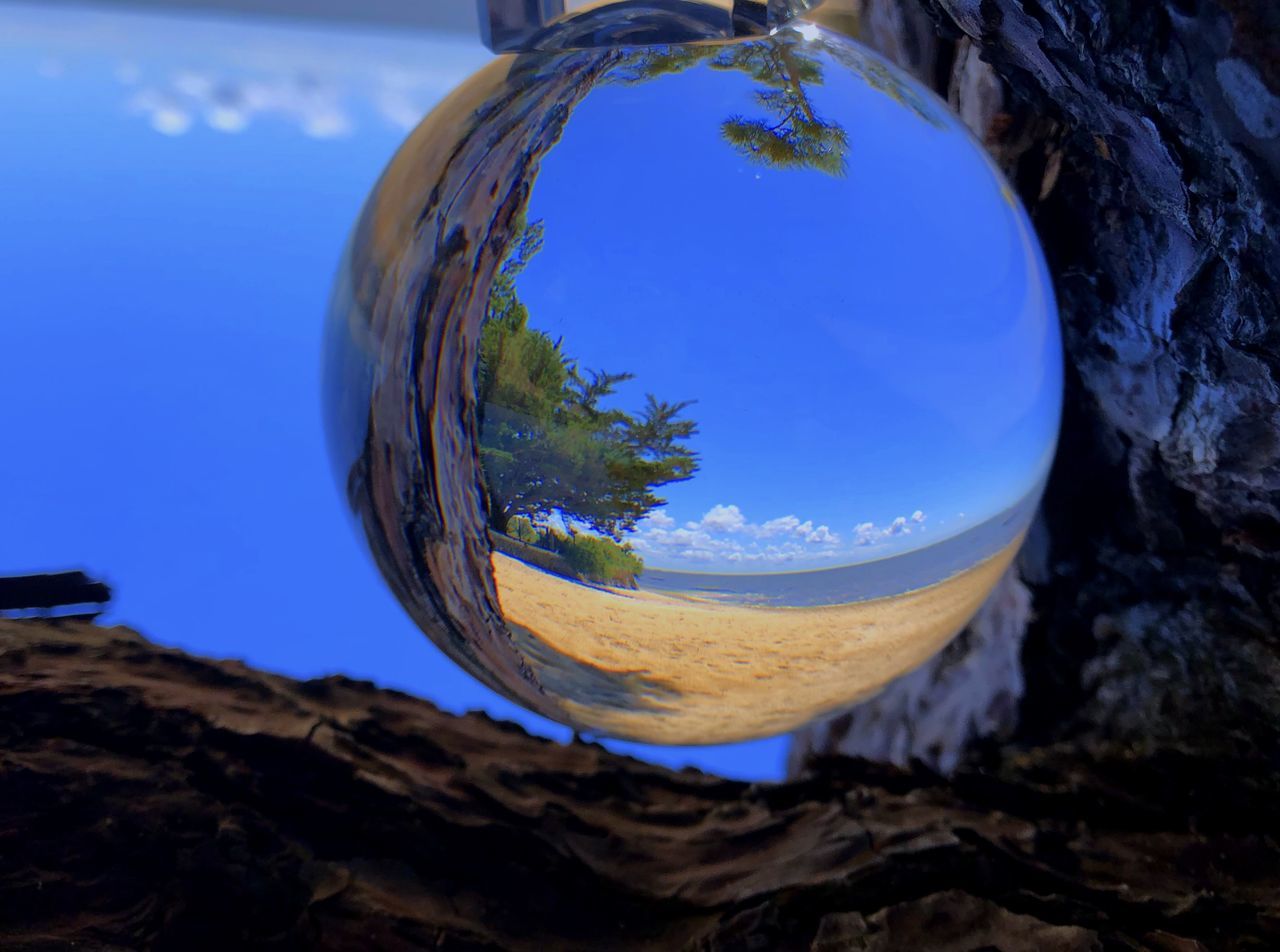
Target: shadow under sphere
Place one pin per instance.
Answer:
(686, 392)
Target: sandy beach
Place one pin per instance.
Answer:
(740, 671)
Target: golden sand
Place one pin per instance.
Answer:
(741, 671)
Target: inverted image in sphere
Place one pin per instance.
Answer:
(684, 393)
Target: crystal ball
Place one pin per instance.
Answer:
(686, 392)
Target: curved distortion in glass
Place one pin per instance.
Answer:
(684, 393)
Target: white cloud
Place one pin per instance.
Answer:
(370, 80)
(724, 534)
(195, 85)
(170, 120)
(822, 535)
(327, 123)
(226, 119)
(723, 518)
(317, 108)
(868, 533)
(782, 524)
(687, 536)
(659, 519)
(792, 526)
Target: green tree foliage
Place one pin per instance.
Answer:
(550, 442)
(790, 134)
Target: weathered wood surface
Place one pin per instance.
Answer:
(150, 799)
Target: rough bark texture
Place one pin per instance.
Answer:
(150, 799)
(1145, 140)
(431, 239)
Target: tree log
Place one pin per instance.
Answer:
(151, 799)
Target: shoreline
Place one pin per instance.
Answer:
(913, 569)
(730, 671)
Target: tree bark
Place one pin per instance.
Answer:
(1145, 141)
(151, 799)
(430, 240)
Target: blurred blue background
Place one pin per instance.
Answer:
(179, 183)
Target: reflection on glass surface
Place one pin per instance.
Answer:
(687, 392)
(512, 26)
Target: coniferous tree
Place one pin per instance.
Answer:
(549, 441)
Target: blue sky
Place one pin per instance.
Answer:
(868, 379)
(177, 193)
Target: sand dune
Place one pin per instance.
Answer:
(740, 671)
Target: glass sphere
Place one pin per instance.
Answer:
(686, 392)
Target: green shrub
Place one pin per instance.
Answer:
(523, 529)
(600, 560)
(592, 557)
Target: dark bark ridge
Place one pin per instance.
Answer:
(428, 245)
(150, 799)
(1152, 170)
